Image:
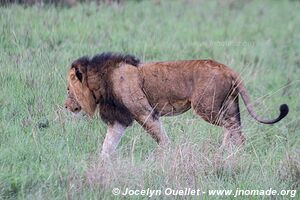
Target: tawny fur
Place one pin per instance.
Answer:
(127, 90)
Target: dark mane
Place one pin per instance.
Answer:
(83, 61)
(112, 59)
(111, 109)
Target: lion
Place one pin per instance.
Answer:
(123, 90)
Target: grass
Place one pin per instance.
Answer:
(46, 153)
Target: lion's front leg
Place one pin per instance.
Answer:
(154, 127)
(112, 138)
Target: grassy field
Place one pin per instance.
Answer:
(47, 153)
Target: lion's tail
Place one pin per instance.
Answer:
(284, 109)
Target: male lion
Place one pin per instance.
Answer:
(125, 90)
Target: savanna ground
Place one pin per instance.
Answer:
(47, 153)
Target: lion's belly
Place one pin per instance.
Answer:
(167, 108)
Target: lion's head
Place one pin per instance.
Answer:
(80, 97)
(89, 82)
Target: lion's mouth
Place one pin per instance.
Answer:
(79, 114)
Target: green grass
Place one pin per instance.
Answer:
(38, 44)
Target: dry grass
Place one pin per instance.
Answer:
(289, 169)
(186, 164)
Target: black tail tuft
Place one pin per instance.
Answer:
(284, 110)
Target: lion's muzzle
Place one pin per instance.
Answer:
(72, 105)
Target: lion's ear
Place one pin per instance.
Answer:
(78, 74)
(80, 65)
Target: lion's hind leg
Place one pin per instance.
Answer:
(231, 122)
(233, 139)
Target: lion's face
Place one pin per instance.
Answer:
(80, 97)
